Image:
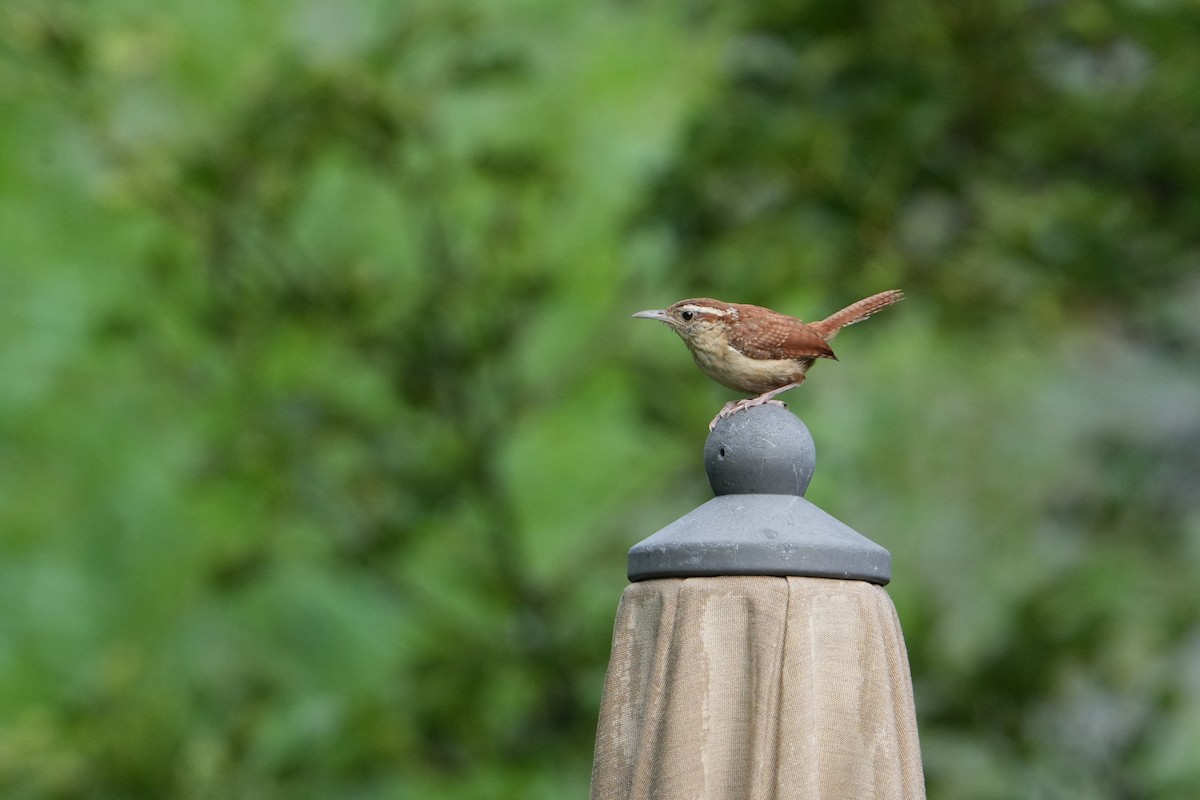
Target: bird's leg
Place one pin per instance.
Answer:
(734, 406)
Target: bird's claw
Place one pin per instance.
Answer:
(734, 406)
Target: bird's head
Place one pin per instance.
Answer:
(694, 318)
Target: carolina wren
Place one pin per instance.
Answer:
(756, 350)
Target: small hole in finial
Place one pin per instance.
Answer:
(721, 453)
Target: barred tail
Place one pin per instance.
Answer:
(856, 312)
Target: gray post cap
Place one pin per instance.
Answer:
(759, 463)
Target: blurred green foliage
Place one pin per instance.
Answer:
(324, 429)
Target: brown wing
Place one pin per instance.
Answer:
(766, 334)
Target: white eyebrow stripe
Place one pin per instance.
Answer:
(716, 312)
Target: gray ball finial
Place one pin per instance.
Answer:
(762, 450)
(759, 463)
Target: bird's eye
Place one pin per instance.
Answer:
(687, 315)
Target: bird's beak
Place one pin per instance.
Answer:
(658, 314)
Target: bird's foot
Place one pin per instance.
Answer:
(725, 411)
(734, 406)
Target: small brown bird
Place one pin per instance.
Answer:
(754, 349)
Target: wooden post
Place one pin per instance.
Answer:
(756, 655)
